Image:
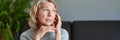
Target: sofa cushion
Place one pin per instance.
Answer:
(96, 30)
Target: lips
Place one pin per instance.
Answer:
(49, 20)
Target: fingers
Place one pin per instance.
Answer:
(58, 18)
(51, 29)
(58, 23)
(48, 29)
(43, 30)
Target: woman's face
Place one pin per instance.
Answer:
(46, 14)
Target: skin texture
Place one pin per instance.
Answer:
(48, 21)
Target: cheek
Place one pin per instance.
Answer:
(54, 16)
(41, 17)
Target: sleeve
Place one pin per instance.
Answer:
(24, 36)
(65, 35)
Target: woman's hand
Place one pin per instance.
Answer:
(58, 27)
(58, 22)
(42, 31)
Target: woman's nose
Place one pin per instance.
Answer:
(50, 14)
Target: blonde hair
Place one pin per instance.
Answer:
(33, 11)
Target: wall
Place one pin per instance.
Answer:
(89, 9)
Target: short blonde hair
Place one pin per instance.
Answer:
(33, 11)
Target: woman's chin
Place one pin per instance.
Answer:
(48, 24)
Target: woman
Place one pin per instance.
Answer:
(45, 22)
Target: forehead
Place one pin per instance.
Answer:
(47, 4)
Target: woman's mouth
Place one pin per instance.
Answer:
(49, 20)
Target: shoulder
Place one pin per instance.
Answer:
(64, 30)
(29, 31)
(27, 34)
(65, 34)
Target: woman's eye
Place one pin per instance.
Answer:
(45, 11)
(54, 11)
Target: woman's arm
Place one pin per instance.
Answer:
(61, 34)
(58, 35)
(58, 27)
(42, 31)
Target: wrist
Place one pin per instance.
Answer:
(58, 31)
(58, 35)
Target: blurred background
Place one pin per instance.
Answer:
(14, 14)
(89, 9)
(12, 17)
